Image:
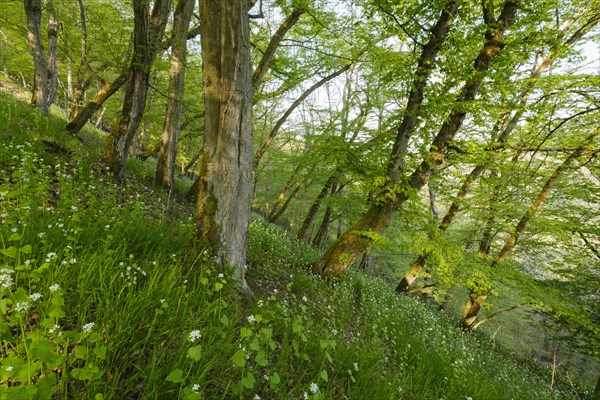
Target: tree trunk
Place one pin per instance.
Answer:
(70, 106)
(263, 65)
(225, 187)
(321, 236)
(473, 305)
(148, 31)
(3, 44)
(52, 51)
(412, 274)
(165, 168)
(275, 214)
(314, 208)
(83, 115)
(33, 12)
(346, 250)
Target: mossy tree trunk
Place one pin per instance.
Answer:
(225, 186)
(346, 250)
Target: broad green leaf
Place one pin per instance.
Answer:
(248, 381)
(195, 352)
(88, 372)
(261, 359)
(80, 352)
(100, 352)
(324, 376)
(9, 252)
(14, 237)
(274, 380)
(239, 358)
(245, 332)
(176, 376)
(224, 320)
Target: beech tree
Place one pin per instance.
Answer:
(33, 12)
(165, 167)
(501, 131)
(346, 249)
(225, 185)
(148, 33)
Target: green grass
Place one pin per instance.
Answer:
(167, 324)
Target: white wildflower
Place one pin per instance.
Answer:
(88, 327)
(196, 387)
(22, 306)
(251, 318)
(54, 287)
(195, 335)
(6, 280)
(314, 387)
(35, 296)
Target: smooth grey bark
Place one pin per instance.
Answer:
(33, 12)
(148, 32)
(263, 65)
(165, 168)
(314, 208)
(52, 51)
(225, 187)
(3, 46)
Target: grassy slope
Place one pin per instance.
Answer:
(168, 325)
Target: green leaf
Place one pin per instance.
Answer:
(46, 387)
(195, 353)
(255, 345)
(324, 376)
(274, 380)
(239, 358)
(245, 332)
(176, 376)
(80, 352)
(25, 249)
(248, 381)
(100, 352)
(261, 359)
(15, 237)
(224, 320)
(9, 252)
(88, 372)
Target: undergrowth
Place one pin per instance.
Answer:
(106, 295)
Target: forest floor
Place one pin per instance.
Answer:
(106, 294)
